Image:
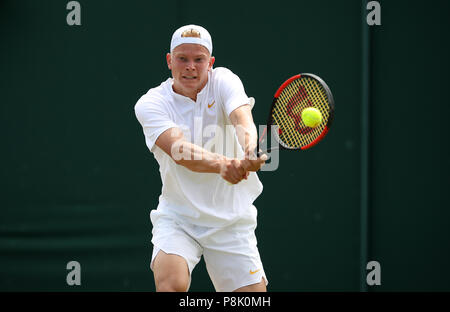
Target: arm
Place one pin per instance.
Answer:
(197, 159)
(242, 120)
(238, 106)
(247, 134)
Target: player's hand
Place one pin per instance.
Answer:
(252, 164)
(233, 171)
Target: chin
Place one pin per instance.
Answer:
(190, 85)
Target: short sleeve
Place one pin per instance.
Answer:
(153, 118)
(231, 90)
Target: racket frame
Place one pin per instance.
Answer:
(269, 123)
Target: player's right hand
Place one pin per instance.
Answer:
(233, 171)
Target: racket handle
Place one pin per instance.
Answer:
(260, 140)
(268, 150)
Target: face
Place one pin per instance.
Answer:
(189, 64)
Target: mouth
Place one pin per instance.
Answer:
(189, 77)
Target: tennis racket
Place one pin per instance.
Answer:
(293, 96)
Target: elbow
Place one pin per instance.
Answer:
(177, 153)
(180, 162)
(190, 165)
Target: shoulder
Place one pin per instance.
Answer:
(225, 79)
(222, 72)
(156, 97)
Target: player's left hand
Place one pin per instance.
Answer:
(254, 164)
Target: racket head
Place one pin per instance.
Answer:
(294, 95)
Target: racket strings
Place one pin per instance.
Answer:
(301, 135)
(298, 95)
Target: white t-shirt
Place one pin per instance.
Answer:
(203, 199)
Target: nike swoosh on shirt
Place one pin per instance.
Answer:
(253, 272)
(211, 105)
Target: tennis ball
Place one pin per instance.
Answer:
(311, 117)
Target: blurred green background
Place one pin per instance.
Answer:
(78, 182)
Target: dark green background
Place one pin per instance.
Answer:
(78, 182)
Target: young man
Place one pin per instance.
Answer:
(199, 127)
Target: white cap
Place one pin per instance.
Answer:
(191, 34)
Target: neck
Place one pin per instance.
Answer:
(190, 94)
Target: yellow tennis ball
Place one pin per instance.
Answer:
(311, 117)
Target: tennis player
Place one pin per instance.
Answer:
(199, 127)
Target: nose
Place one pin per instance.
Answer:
(190, 66)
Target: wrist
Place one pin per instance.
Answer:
(250, 152)
(221, 162)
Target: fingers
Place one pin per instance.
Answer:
(237, 170)
(254, 165)
(233, 171)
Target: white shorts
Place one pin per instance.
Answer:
(230, 253)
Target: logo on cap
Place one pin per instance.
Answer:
(191, 33)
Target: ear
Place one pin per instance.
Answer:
(211, 62)
(169, 60)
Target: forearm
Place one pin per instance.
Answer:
(196, 158)
(247, 136)
(246, 131)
